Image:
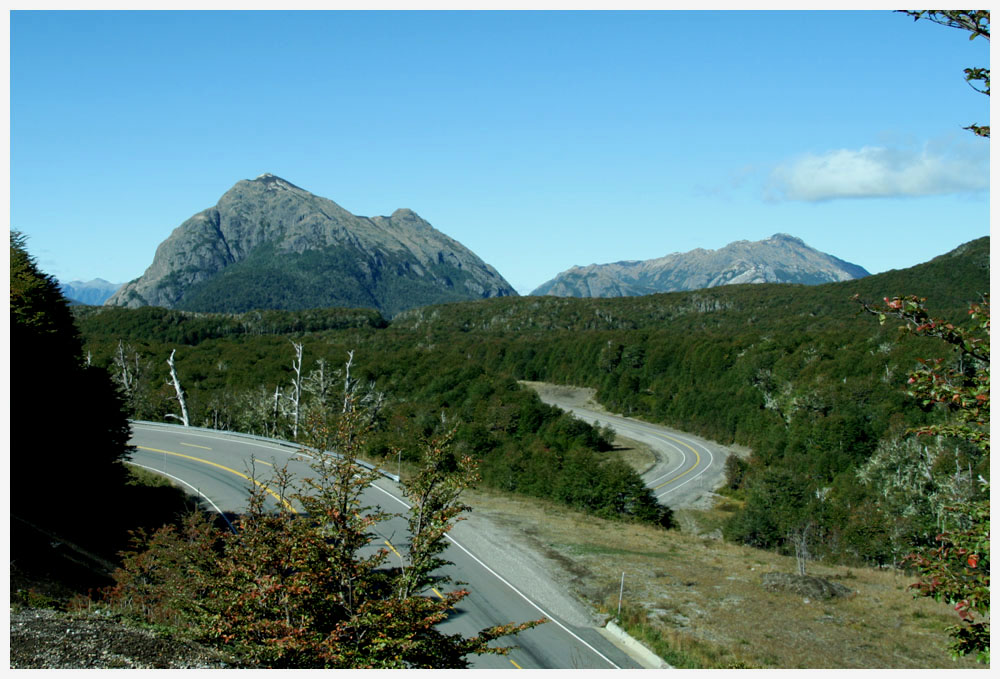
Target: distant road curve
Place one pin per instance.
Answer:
(688, 468)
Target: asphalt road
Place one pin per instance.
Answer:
(688, 468)
(219, 466)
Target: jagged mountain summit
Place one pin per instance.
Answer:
(778, 259)
(268, 244)
(93, 292)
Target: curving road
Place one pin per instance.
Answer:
(688, 468)
(220, 467)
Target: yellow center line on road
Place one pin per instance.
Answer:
(224, 468)
(262, 462)
(192, 445)
(433, 589)
(515, 664)
(697, 461)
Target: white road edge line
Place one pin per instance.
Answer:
(452, 540)
(673, 471)
(180, 480)
(711, 460)
(515, 589)
(625, 424)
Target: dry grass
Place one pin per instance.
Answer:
(635, 454)
(702, 604)
(698, 602)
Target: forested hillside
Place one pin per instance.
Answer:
(793, 372)
(237, 372)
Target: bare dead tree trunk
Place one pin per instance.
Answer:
(128, 375)
(371, 400)
(274, 420)
(296, 396)
(349, 384)
(799, 537)
(180, 392)
(318, 383)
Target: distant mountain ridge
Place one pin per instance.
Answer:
(268, 244)
(778, 259)
(94, 292)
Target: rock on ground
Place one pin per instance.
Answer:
(804, 585)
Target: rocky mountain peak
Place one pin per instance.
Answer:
(787, 238)
(268, 243)
(271, 181)
(405, 214)
(782, 258)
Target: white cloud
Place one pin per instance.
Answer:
(878, 171)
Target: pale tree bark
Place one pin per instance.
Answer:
(318, 383)
(180, 392)
(349, 384)
(799, 537)
(277, 402)
(371, 400)
(296, 396)
(127, 369)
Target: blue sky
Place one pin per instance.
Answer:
(540, 140)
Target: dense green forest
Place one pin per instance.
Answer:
(270, 279)
(796, 373)
(237, 372)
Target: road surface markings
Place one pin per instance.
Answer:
(512, 587)
(248, 440)
(231, 471)
(433, 589)
(262, 462)
(697, 461)
(448, 537)
(515, 664)
(193, 445)
(180, 480)
(609, 420)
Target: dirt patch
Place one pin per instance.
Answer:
(579, 397)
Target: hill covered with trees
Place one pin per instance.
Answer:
(793, 372)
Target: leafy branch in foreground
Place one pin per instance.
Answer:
(958, 569)
(977, 23)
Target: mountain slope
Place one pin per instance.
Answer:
(269, 244)
(949, 282)
(779, 259)
(93, 292)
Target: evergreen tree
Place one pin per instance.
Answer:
(69, 430)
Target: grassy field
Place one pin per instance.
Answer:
(698, 602)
